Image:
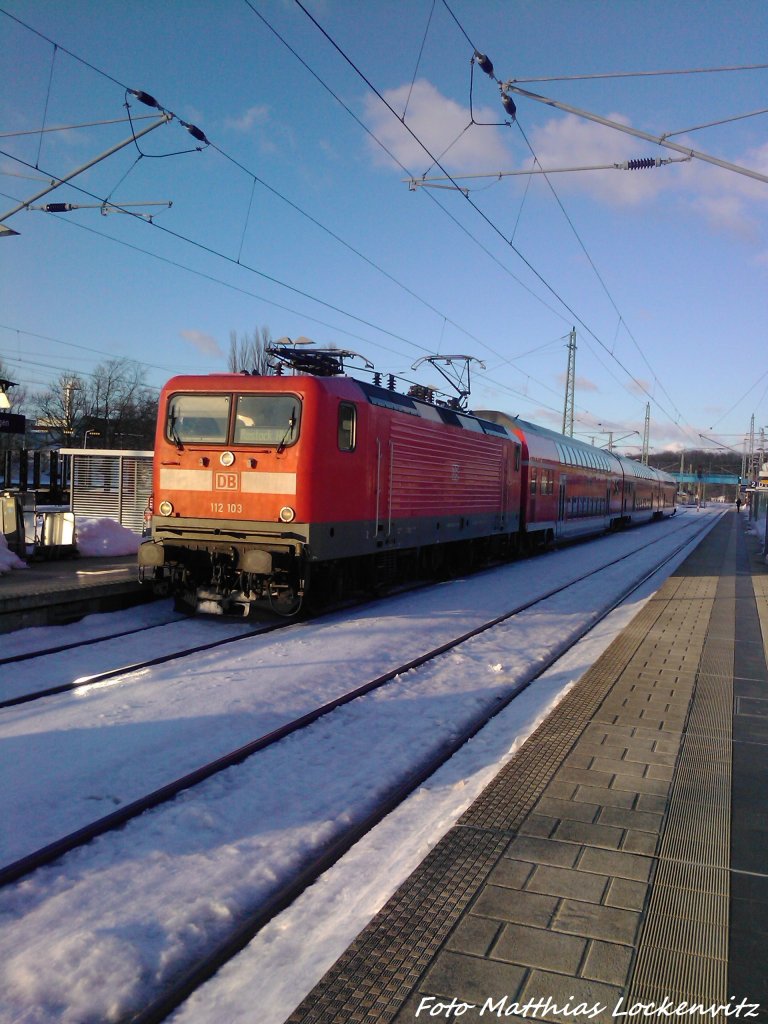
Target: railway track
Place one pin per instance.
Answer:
(122, 668)
(117, 819)
(83, 682)
(25, 865)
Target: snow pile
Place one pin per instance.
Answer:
(8, 560)
(104, 537)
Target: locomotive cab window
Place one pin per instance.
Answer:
(267, 419)
(197, 419)
(347, 427)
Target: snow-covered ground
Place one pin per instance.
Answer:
(93, 537)
(95, 934)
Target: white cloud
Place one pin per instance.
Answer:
(440, 123)
(580, 383)
(256, 115)
(203, 343)
(727, 200)
(571, 141)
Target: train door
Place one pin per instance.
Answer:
(560, 524)
(385, 467)
(532, 489)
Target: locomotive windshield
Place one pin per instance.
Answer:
(259, 419)
(266, 419)
(198, 418)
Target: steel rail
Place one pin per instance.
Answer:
(183, 987)
(116, 819)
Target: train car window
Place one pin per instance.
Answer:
(533, 479)
(267, 419)
(347, 426)
(517, 458)
(197, 419)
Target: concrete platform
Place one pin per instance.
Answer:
(617, 868)
(56, 592)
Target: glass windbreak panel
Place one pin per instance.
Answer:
(198, 418)
(267, 419)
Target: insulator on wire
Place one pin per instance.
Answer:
(391, 382)
(377, 379)
(194, 131)
(484, 63)
(509, 105)
(144, 97)
(642, 164)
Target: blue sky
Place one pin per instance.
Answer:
(297, 217)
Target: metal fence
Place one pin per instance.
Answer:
(39, 470)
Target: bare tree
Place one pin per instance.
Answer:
(249, 355)
(119, 406)
(61, 408)
(113, 405)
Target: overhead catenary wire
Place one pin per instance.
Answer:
(87, 63)
(395, 160)
(444, 210)
(482, 214)
(152, 102)
(688, 154)
(72, 344)
(637, 164)
(502, 87)
(47, 100)
(209, 277)
(72, 127)
(418, 59)
(644, 74)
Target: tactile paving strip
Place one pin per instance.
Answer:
(379, 970)
(683, 949)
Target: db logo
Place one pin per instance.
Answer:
(225, 482)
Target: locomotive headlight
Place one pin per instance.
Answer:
(287, 514)
(165, 508)
(227, 458)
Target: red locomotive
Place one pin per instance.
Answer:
(266, 488)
